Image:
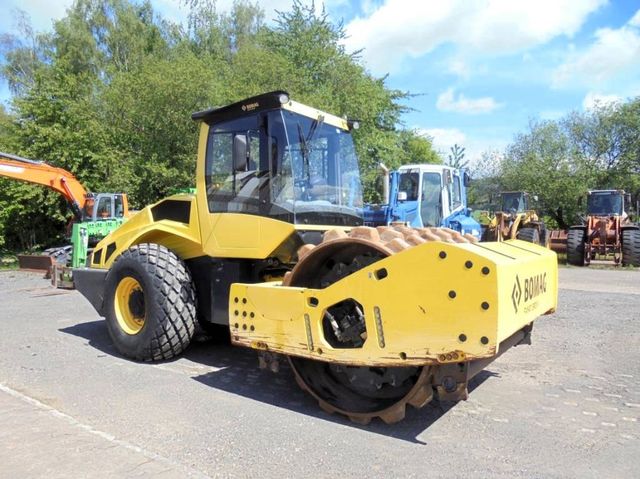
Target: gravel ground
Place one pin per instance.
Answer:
(566, 406)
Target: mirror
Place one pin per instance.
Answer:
(240, 156)
(402, 196)
(447, 177)
(466, 179)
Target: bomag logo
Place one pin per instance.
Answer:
(250, 106)
(533, 287)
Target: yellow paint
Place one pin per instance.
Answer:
(127, 320)
(523, 218)
(312, 113)
(420, 320)
(412, 316)
(234, 235)
(183, 239)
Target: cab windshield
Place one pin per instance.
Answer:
(514, 202)
(286, 166)
(604, 204)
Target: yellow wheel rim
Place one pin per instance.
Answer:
(129, 305)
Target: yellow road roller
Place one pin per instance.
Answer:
(273, 247)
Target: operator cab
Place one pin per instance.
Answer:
(515, 202)
(436, 192)
(606, 203)
(105, 206)
(270, 156)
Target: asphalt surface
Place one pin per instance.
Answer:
(70, 406)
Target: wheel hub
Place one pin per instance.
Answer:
(129, 305)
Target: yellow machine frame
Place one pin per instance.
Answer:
(434, 312)
(461, 302)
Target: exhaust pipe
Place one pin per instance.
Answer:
(385, 183)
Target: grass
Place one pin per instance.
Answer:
(8, 261)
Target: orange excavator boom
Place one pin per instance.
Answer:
(41, 173)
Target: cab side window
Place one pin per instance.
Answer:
(455, 196)
(119, 206)
(232, 175)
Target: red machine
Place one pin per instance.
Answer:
(607, 232)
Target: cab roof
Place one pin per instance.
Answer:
(264, 102)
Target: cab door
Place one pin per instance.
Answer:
(232, 164)
(433, 199)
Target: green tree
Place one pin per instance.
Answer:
(148, 113)
(544, 162)
(486, 181)
(456, 157)
(109, 92)
(560, 160)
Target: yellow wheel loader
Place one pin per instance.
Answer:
(272, 245)
(516, 220)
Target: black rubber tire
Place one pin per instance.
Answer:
(532, 235)
(631, 248)
(575, 247)
(169, 303)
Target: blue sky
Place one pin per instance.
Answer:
(481, 68)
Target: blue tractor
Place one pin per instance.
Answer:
(423, 196)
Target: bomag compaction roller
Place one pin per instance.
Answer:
(272, 246)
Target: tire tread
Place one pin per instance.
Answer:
(631, 248)
(175, 301)
(532, 235)
(575, 247)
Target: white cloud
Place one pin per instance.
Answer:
(465, 68)
(403, 28)
(459, 68)
(593, 99)
(173, 10)
(612, 52)
(448, 101)
(444, 138)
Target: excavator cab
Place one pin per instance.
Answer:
(105, 206)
